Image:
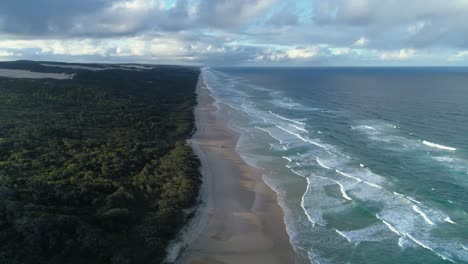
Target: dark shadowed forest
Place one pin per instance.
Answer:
(95, 169)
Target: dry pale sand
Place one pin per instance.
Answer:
(245, 223)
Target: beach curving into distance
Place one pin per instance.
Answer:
(245, 223)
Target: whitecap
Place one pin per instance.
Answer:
(342, 189)
(287, 119)
(298, 128)
(422, 214)
(359, 179)
(301, 138)
(343, 235)
(439, 146)
(321, 164)
(392, 228)
(271, 134)
(448, 220)
(427, 247)
(349, 176)
(413, 200)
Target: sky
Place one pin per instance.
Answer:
(238, 32)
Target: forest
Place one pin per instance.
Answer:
(95, 169)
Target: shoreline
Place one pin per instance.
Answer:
(243, 222)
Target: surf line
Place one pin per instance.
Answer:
(342, 189)
(423, 215)
(419, 243)
(439, 146)
(359, 180)
(301, 138)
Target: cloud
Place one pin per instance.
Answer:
(296, 54)
(285, 16)
(418, 26)
(33, 18)
(459, 56)
(362, 41)
(241, 32)
(6, 53)
(419, 23)
(228, 13)
(402, 54)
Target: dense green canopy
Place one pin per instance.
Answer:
(95, 169)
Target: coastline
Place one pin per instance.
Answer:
(242, 220)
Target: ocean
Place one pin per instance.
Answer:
(370, 164)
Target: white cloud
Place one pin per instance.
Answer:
(229, 13)
(362, 41)
(294, 54)
(6, 53)
(402, 54)
(340, 51)
(460, 55)
(302, 53)
(416, 27)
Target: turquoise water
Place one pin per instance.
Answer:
(370, 165)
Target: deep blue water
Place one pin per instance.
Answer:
(370, 164)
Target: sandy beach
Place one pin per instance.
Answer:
(245, 223)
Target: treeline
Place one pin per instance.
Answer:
(96, 169)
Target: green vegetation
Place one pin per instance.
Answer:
(95, 169)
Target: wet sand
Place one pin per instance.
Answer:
(244, 221)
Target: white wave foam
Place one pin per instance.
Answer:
(297, 173)
(343, 235)
(342, 189)
(360, 180)
(409, 198)
(413, 200)
(369, 127)
(392, 228)
(309, 217)
(422, 214)
(439, 146)
(393, 210)
(301, 138)
(298, 128)
(349, 176)
(343, 192)
(286, 158)
(444, 159)
(269, 133)
(454, 163)
(427, 247)
(401, 241)
(448, 220)
(287, 119)
(321, 164)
